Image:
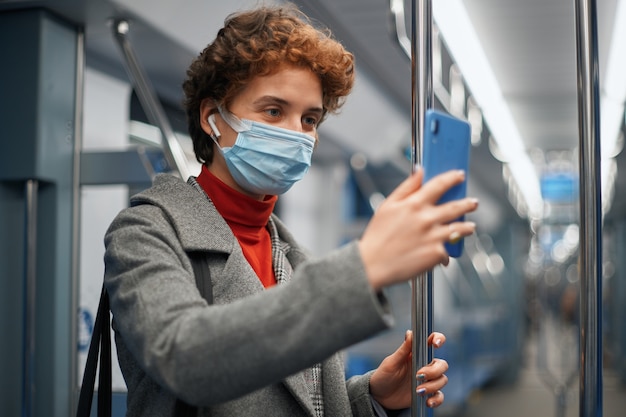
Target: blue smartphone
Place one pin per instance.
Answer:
(446, 146)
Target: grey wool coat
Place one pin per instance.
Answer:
(242, 355)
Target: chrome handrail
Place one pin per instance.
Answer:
(422, 98)
(590, 209)
(149, 101)
(440, 91)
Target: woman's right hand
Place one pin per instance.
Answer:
(406, 235)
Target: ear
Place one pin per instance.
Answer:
(207, 106)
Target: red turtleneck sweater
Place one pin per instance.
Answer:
(247, 219)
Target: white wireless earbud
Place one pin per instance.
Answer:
(211, 121)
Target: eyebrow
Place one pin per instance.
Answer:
(277, 100)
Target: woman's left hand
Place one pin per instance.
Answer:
(390, 384)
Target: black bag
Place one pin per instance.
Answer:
(101, 344)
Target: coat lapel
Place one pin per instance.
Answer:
(334, 380)
(296, 385)
(208, 231)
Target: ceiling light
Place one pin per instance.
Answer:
(460, 37)
(612, 103)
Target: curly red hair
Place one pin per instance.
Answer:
(256, 43)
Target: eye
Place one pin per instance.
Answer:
(310, 121)
(273, 112)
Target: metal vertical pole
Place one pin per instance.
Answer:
(590, 210)
(421, 99)
(30, 292)
(75, 278)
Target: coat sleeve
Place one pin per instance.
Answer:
(209, 354)
(362, 403)
(359, 394)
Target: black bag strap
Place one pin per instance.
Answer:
(101, 344)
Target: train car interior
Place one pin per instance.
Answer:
(102, 79)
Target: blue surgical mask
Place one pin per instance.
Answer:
(265, 159)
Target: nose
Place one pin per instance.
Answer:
(293, 123)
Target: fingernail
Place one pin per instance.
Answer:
(406, 334)
(437, 342)
(455, 237)
(421, 391)
(420, 376)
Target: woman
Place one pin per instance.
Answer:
(268, 343)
